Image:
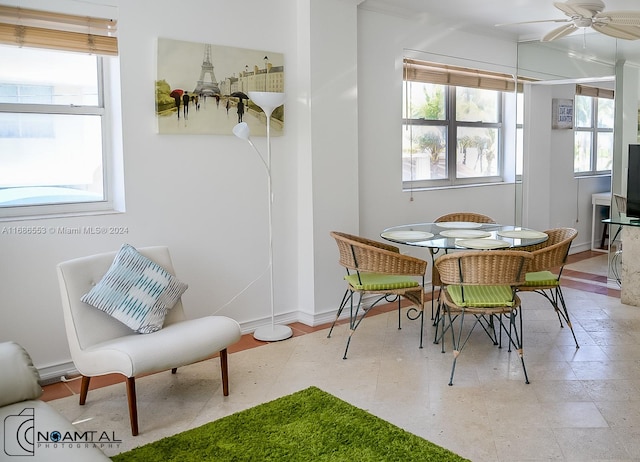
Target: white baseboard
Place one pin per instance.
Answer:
(54, 373)
(577, 248)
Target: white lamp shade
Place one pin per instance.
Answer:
(267, 100)
(241, 130)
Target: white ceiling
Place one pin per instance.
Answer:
(482, 16)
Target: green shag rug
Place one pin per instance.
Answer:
(310, 425)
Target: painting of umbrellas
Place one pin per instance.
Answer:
(202, 88)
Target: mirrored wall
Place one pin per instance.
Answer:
(550, 194)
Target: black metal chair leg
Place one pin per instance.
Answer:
(354, 321)
(347, 295)
(560, 298)
(456, 345)
(520, 345)
(419, 314)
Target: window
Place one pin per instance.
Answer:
(519, 134)
(452, 130)
(593, 131)
(55, 126)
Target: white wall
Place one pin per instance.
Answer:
(181, 191)
(383, 42)
(337, 166)
(553, 197)
(334, 138)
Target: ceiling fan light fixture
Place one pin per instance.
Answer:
(582, 22)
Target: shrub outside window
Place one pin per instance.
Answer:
(451, 134)
(593, 136)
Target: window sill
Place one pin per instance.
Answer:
(458, 186)
(69, 214)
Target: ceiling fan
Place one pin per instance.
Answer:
(590, 13)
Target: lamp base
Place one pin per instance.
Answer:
(272, 333)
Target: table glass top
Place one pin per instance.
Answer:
(623, 221)
(463, 235)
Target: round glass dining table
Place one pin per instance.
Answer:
(463, 235)
(445, 236)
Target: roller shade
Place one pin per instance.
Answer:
(428, 72)
(596, 92)
(44, 29)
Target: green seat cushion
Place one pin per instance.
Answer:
(480, 296)
(377, 281)
(541, 278)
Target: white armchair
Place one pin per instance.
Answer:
(31, 425)
(100, 344)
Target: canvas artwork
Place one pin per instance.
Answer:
(203, 88)
(562, 116)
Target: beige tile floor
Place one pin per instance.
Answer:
(582, 404)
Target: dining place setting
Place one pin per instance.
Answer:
(463, 235)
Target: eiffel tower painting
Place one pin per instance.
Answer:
(205, 105)
(209, 88)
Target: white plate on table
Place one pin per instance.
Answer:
(483, 244)
(458, 224)
(407, 235)
(465, 233)
(522, 234)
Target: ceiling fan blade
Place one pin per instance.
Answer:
(583, 11)
(559, 32)
(531, 22)
(567, 9)
(618, 31)
(622, 18)
(572, 10)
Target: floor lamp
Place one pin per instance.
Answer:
(267, 101)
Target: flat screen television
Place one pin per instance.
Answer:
(633, 182)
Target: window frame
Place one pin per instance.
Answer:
(452, 125)
(595, 131)
(76, 34)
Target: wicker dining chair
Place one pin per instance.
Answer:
(467, 217)
(545, 270)
(483, 284)
(377, 268)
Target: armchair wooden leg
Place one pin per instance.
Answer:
(84, 389)
(133, 408)
(225, 372)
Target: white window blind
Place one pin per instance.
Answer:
(443, 74)
(44, 29)
(595, 92)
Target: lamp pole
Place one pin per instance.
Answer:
(267, 101)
